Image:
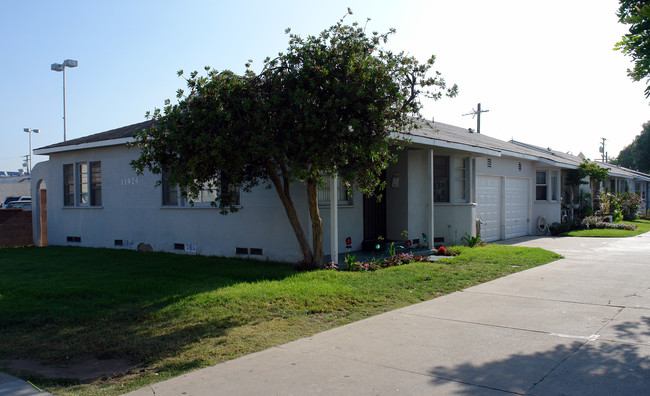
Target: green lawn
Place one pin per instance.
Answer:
(642, 226)
(169, 314)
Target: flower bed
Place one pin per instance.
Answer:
(392, 261)
(603, 222)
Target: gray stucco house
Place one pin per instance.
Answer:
(447, 183)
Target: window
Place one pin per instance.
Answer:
(95, 184)
(82, 184)
(554, 186)
(612, 185)
(172, 195)
(440, 179)
(344, 193)
(541, 186)
(460, 179)
(170, 191)
(68, 185)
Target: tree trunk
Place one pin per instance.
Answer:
(316, 221)
(282, 188)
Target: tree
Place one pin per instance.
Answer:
(325, 107)
(636, 155)
(636, 43)
(576, 177)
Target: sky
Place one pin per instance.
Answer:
(546, 71)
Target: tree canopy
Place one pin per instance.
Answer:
(325, 107)
(636, 155)
(636, 43)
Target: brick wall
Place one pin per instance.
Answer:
(16, 227)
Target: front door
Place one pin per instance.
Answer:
(374, 218)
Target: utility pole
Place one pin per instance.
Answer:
(477, 113)
(602, 149)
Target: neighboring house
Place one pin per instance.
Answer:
(447, 183)
(620, 179)
(627, 180)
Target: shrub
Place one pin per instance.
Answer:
(473, 241)
(558, 228)
(622, 206)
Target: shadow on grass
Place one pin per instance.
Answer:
(60, 303)
(580, 368)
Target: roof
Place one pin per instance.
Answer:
(448, 133)
(114, 136)
(431, 134)
(618, 171)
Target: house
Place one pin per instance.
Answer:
(447, 183)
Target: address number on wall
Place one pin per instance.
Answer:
(128, 181)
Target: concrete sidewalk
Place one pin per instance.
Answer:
(578, 326)
(12, 386)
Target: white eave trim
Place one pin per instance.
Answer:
(84, 146)
(442, 143)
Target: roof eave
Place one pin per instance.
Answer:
(84, 146)
(443, 143)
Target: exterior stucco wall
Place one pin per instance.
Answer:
(419, 200)
(132, 211)
(350, 224)
(453, 221)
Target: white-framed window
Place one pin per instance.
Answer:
(172, 195)
(461, 169)
(82, 184)
(343, 193)
(547, 185)
(555, 186)
(541, 186)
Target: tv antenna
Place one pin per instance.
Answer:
(477, 113)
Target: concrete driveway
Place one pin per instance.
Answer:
(578, 326)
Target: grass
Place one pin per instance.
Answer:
(642, 226)
(169, 314)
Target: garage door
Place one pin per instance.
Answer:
(488, 206)
(516, 213)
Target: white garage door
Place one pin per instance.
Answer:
(489, 197)
(488, 206)
(516, 207)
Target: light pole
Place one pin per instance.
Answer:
(61, 67)
(29, 160)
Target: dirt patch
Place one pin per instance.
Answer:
(84, 370)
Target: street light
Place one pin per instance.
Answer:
(61, 67)
(29, 161)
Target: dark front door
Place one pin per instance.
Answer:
(374, 218)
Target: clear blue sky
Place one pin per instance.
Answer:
(545, 70)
